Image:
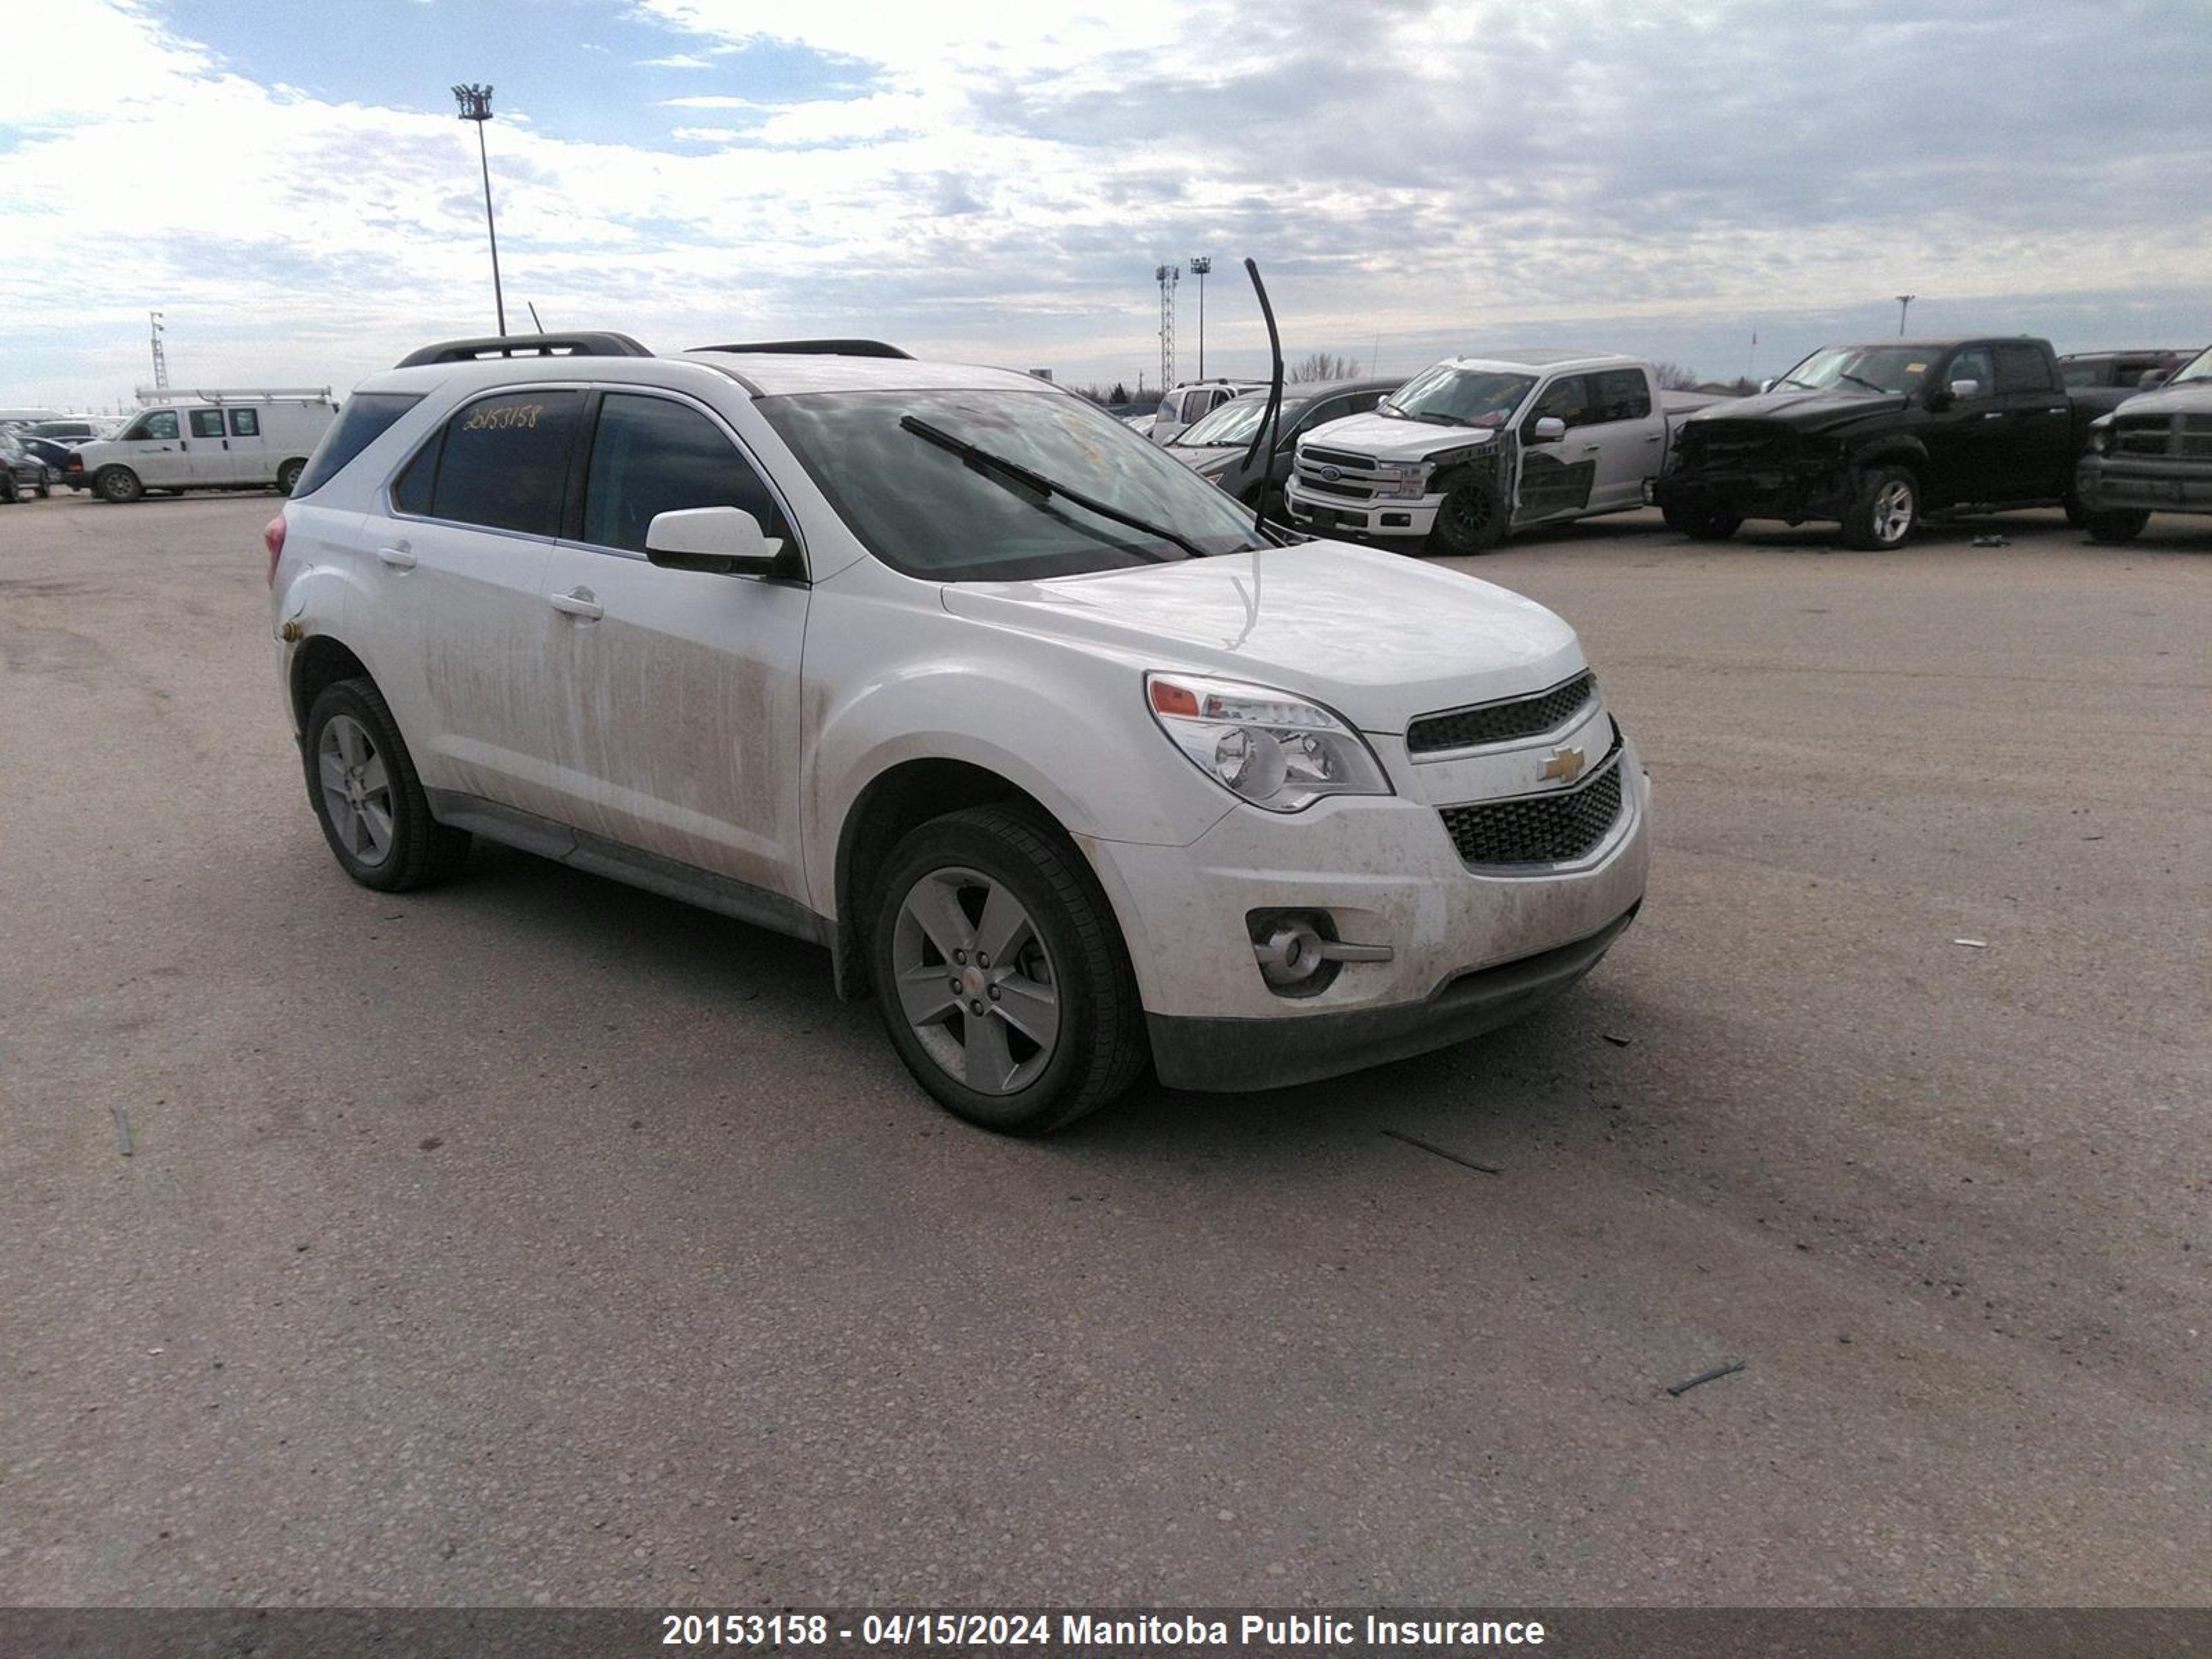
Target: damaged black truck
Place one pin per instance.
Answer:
(1877, 437)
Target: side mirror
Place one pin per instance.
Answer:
(1766, 386)
(1548, 429)
(2151, 377)
(722, 541)
(1965, 389)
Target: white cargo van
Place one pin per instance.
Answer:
(253, 439)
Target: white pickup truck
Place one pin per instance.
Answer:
(1476, 447)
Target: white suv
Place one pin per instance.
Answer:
(949, 672)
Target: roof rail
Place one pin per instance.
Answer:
(816, 349)
(235, 394)
(588, 344)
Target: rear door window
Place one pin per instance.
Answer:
(2021, 369)
(502, 462)
(654, 455)
(1623, 394)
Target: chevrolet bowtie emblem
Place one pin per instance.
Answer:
(1565, 765)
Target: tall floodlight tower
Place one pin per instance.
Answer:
(1903, 304)
(160, 357)
(1199, 264)
(1167, 276)
(476, 106)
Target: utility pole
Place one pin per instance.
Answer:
(160, 357)
(1167, 276)
(476, 106)
(1198, 266)
(1903, 304)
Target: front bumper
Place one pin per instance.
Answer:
(1240, 1056)
(1385, 871)
(1780, 492)
(1377, 519)
(2107, 484)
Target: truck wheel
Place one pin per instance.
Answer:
(1883, 514)
(2076, 514)
(1000, 974)
(288, 477)
(8, 492)
(119, 484)
(366, 794)
(1711, 524)
(1472, 519)
(2116, 525)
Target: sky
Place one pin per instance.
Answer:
(997, 180)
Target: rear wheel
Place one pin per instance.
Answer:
(119, 484)
(1885, 512)
(2114, 524)
(1472, 519)
(1706, 524)
(288, 477)
(1000, 974)
(366, 796)
(8, 491)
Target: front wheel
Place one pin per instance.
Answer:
(1471, 519)
(1884, 513)
(119, 484)
(1000, 974)
(2115, 525)
(367, 795)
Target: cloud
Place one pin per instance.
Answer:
(1000, 181)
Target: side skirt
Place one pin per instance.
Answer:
(667, 877)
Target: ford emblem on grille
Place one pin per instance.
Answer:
(1332, 473)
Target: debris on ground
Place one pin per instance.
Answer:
(1992, 541)
(1972, 944)
(1679, 1389)
(1617, 1041)
(1468, 1162)
(122, 1130)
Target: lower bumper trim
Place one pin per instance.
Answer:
(1235, 1056)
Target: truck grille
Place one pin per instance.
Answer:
(2181, 437)
(1502, 721)
(1555, 828)
(1356, 480)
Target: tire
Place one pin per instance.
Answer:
(351, 720)
(45, 486)
(9, 493)
(119, 484)
(1069, 975)
(1470, 521)
(1711, 524)
(2119, 524)
(288, 477)
(1885, 512)
(2076, 514)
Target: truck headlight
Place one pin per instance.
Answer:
(1402, 483)
(1276, 750)
(2100, 435)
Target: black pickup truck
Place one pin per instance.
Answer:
(1878, 437)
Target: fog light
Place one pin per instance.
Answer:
(1299, 953)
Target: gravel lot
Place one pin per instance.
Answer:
(535, 1239)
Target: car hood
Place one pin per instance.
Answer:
(2191, 397)
(1811, 411)
(1198, 457)
(1377, 636)
(1393, 438)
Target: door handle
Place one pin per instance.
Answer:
(579, 604)
(1993, 415)
(398, 557)
(1653, 437)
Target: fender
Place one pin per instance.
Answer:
(1891, 449)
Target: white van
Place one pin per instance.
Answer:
(242, 440)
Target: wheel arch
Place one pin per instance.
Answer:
(320, 661)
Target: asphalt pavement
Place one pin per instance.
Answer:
(534, 1239)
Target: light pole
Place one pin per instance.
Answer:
(1198, 266)
(1903, 304)
(476, 106)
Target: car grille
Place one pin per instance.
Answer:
(1358, 484)
(1720, 443)
(1501, 722)
(1338, 457)
(1555, 828)
(2179, 436)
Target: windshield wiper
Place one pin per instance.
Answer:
(984, 461)
(1436, 420)
(1807, 385)
(1847, 375)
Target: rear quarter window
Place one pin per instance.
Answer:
(364, 418)
(501, 462)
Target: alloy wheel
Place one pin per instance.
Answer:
(356, 788)
(975, 980)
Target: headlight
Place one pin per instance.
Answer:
(1275, 750)
(2101, 435)
(1403, 483)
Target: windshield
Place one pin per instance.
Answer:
(1886, 369)
(1233, 422)
(933, 514)
(1449, 396)
(2198, 368)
